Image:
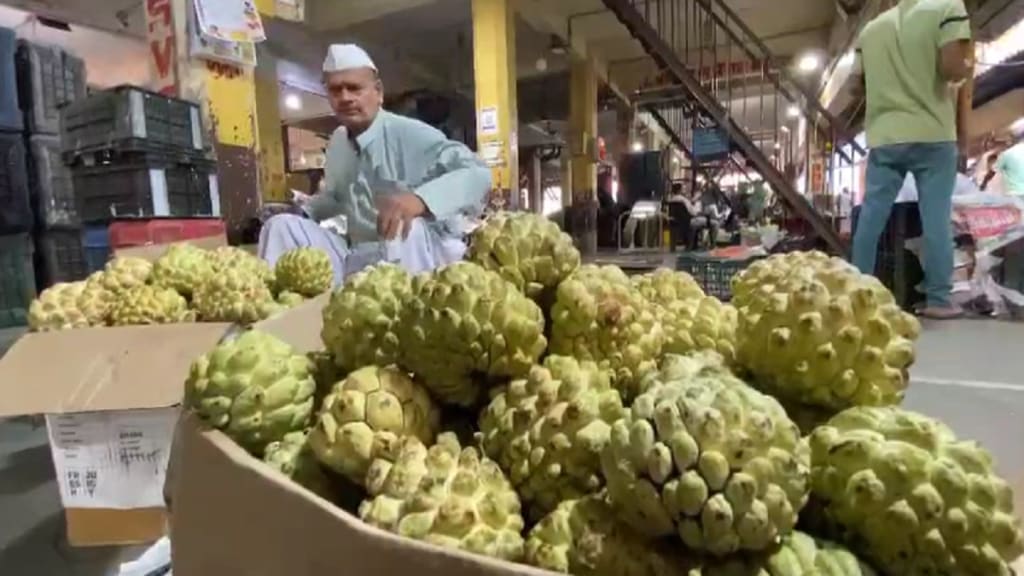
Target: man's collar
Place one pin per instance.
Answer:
(372, 131)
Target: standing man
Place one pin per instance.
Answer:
(913, 57)
(1010, 168)
(400, 185)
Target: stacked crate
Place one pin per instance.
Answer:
(138, 154)
(49, 78)
(17, 282)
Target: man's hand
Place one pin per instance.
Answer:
(396, 212)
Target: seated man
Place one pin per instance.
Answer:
(401, 186)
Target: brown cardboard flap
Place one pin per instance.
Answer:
(267, 526)
(154, 251)
(94, 369)
(109, 527)
(299, 326)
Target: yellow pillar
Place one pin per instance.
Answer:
(494, 65)
(270, 151)
(583, 84)
(228, 97)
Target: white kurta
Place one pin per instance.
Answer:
(394, 154)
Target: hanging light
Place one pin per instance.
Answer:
(809, 62)
(293, 102)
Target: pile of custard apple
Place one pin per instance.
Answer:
(525, 406)
(185, 284)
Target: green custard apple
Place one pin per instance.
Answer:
(546, 431)
(465, 326)
(901, 490)
(446, 495)
(703, 456)
(255, 388)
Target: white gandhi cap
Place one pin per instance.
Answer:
(341, 57)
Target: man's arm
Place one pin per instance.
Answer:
(457, 180)
(964, 110)
(956, 55)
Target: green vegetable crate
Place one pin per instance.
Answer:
(714, 270)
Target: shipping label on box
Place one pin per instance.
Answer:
(115, 459)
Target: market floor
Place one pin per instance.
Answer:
(970, 373)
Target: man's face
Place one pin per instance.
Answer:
(355, 96)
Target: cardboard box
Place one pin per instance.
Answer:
(231, 514)
(110, 396)
(111, 399)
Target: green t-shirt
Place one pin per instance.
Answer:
(908, 101)
(1011, 168)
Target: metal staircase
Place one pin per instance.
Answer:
(719, 77)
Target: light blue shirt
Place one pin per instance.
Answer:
(397, 153)
(1010, 166)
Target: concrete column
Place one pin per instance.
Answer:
(494, 65)
(536, 183)
(270, 139)
(582, 142)
(228, 97)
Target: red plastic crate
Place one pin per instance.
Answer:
(127, 233)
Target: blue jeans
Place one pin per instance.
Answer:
(934, 170)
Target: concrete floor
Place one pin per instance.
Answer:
(969, 373)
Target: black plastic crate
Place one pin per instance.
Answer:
(17, 283)
(59, 257)
(10, 112)
(146, 186)
(50, 183)
(128, 118)
(898, 268)
(48, 79)
(713, 273)
(15, 210)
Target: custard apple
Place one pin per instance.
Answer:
(232, 259)
(583, 537)
(95, 300)
(182, 268)
(813, 330)
(798, 554)
(147, 304)
(691, 320)
(366, 414)
(361, 320)
(57, 308)
(293, 457)
(902, 491)
(527, 249)
(464, 325)
(708, 458)
(305, 271)
(290, 299)
(599, 316)
(234, 296)
(445, 495)
(546, 431)
(255, 388)
(123, 273)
